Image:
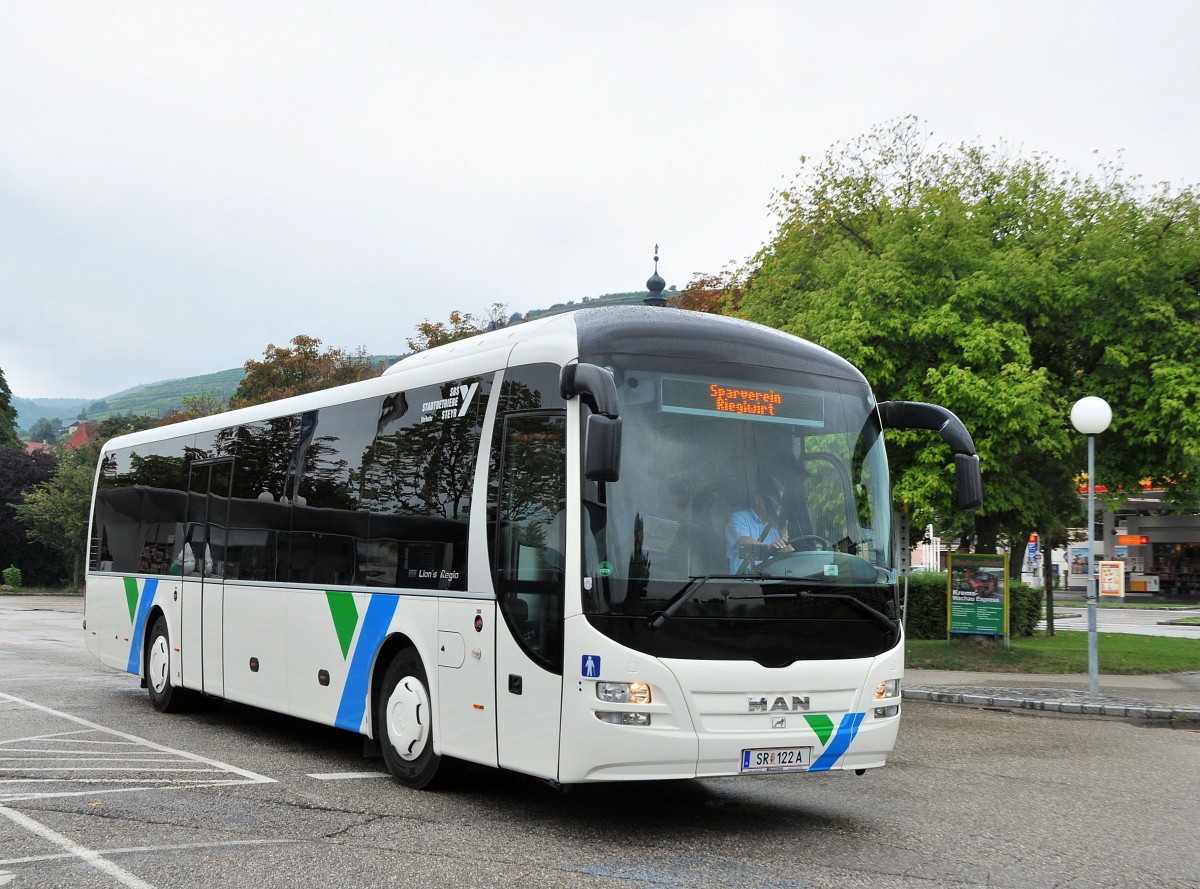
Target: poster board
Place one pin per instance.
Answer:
(977, 598)
(1111, 576)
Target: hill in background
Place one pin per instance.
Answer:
(161, 398)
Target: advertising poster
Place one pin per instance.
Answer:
(1112, 579)
(1079, 561)
(977, 600)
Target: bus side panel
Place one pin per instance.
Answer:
(340, 633)
(117, 611)
(594, 750)
(466, 677)
(255, 631)
(322, 626)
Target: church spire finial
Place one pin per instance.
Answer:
(655, 285)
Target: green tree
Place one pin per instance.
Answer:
(21, 472)
(202, 404)
(45, 430)
(9, 436)
(55, 513)
(460, 326)
(302, 368)
(1005, 288)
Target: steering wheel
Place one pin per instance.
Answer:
(810, 542)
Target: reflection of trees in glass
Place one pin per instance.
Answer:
(263, 451)
(327, 475)
(151, 471)
(534, 468)
(825, 489)
(424, 468)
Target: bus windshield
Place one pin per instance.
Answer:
(746, 494)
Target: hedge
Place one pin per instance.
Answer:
(926, 618)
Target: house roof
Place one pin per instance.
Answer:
(85, 433)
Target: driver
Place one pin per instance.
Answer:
(760, 526)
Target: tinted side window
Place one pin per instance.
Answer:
(139, 509)
(260, 511)
(415, 482)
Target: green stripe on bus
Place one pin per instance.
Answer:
(821, 724)
(131, 596)
(345, 617)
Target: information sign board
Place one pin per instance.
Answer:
(977, 598)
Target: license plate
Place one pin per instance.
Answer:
(776, 759)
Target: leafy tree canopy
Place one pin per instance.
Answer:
(45, 430)
(55, 512)
(1005, 288)
(460, 326)
(9, 436)
(21, 472)
(302, 368)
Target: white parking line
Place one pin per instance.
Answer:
(88, 856)
(347, 776)
(124, 753)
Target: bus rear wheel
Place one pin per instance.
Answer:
(404, 724)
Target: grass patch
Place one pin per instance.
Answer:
(1064, 652)
(1159, 606)
(42, 591)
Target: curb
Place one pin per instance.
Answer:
(1051, 700)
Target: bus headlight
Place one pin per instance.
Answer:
(613, 718)
(623, 692)
(889, 688)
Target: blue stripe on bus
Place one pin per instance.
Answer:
(840, 743)
(139, 624)
(375, 624)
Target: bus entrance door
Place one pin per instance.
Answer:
(203, 564)
(531, 542)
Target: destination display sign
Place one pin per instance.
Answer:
(749, 402)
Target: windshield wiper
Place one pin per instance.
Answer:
(658, 618)
(872, 612)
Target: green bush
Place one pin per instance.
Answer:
(927, 609)
(12, 577)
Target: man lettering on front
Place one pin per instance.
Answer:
(761, 525)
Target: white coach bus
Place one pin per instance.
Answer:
(527, 550)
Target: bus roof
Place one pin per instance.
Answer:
(582, 334)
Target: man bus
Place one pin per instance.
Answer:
(511, 550)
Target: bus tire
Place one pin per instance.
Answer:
(405, 724)
(165, 697)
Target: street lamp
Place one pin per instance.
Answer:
(1091, 416)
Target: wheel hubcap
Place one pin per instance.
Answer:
(159, 661)
(408, 718)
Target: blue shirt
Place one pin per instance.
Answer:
(744, 523)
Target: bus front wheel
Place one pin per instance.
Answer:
(405, 724)
(163, 694)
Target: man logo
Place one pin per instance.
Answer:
(760, 705)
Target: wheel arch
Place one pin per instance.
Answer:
(156, 611)
(392, 645)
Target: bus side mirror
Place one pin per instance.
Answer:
(596, 388)
(918, 415)
(969, 481)
(602, 449)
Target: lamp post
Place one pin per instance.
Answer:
(1091, 416)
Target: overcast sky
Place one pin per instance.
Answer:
(183, 183)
